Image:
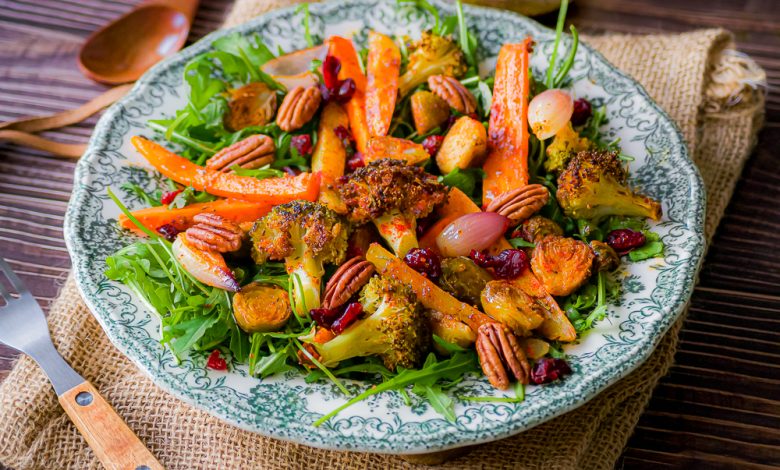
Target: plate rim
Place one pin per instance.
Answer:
(642, 350)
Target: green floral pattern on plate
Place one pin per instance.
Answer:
(284, 406)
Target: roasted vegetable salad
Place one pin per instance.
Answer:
(383, 211)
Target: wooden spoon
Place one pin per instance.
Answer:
(124, 49)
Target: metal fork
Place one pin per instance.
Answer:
(23, 327)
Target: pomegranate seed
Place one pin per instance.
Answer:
(355, 162)
(349, 317)
(325, 317)
(168, 232)
(625, 240)
(215, 361)
(509, 264)
(548, 370)
(425, 261)
(582, 112)
(345, 90)
(302, 144)
(330, 72)
(169, 196)
(432, 143)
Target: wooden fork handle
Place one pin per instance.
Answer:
(114, 444)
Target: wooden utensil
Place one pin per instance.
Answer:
(124, 49)
(23, 327)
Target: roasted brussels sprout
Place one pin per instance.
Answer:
(562, 264)
(537, 227)
(507, 304)
(450, 329)
(253, 104)
(462, 278)
(606, 258)
(261, 308)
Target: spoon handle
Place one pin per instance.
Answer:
(19, 131)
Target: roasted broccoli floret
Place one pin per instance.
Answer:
(565, 145)
(393, 195)
(432, 55)
(594, 186)
(306, 235)
(395, 328)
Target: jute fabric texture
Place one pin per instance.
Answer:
(676, 70)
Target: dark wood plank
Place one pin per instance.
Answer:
(719, 406)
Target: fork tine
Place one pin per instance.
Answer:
(16, 283)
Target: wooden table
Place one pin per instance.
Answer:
(720, 405)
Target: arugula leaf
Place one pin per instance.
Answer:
(521, 243)
(451, 348)
(467, 41)
(558, 32)
(518, 398)
(190, 196)
(439, 400)
(467, 180)
(150, 199)
(263, 172)
(303, 8)
(448, 369)
(427, 8)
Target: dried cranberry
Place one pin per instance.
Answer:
(548, 370)
(582, 112)
(481, 259)
(432, 143)
(168, 231)
(425, 261)
(624, 240)
(355, 162)
(302, 144)
(450, 121)
(425, 223)
(510, 264)
(325, 92)
(345, 136)
(331, 67)
(349, 317)
(169, 196)
(325, 316)
(215, 361)
(345, 90)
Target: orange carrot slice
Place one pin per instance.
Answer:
(343, 50)
(383, 67)
(181, 219)
(506, 166)
(271, 190)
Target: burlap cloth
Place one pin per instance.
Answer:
(695, 76)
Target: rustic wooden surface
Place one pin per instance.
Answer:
(720, 405)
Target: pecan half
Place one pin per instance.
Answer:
(500, 353)
(298, 107)
(453, 92)
(347, 281)
(252, 152)
(520, 203)
(212, 232)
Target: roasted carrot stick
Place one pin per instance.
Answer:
(395, 147)
(181, 219)
(329, 155)
(271, 190)
(383, 67)
(507, 162)
(343, 50)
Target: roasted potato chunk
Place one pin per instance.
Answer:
(509, 305)
(253, 104)
(465, 145)
(261, 308)
(450, 329)
(428, 111)
(562, 264)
